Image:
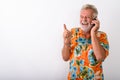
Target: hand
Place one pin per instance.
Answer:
(66, 36)
(96, 27)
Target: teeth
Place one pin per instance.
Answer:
(84, 23)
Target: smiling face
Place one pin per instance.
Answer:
(86, 17)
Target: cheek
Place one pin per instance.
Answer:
(89, 21)
(80, 21)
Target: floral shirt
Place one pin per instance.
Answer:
(83, 63)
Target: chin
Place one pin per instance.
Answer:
(85, 28)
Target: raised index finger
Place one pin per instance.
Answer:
(65, 28)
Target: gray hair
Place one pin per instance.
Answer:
(89, 6)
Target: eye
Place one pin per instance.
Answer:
(88, 17)
(81, 17)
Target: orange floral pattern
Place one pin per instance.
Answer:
(83, 64)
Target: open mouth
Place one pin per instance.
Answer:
(84, 23)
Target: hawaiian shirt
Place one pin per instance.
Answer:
(83, 63)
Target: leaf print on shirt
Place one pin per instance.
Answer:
(80, 63)
(86, 73)
(77, 50)
(106, 46)
(91, 57)
(81, 41)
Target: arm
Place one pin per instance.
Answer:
(66, 46)
(66, 52)
(99, 51)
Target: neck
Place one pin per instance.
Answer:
(87, 34)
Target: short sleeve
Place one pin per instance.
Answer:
(104, 42)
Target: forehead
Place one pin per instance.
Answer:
(86, 12)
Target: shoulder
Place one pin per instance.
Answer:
(75, 29)
(101, 34)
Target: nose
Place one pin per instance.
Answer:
(85, 18)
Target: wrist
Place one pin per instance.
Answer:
(93, 33)
(67, 45)
(94, 36)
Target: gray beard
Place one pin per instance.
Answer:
(86, 28)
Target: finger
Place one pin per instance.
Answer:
(65, 28)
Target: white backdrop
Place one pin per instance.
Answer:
(31, 37)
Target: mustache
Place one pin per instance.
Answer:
(85, 23)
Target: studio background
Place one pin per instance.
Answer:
(31, 37)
